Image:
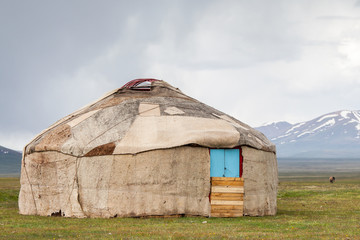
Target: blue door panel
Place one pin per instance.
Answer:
(224, 162)
(232, 167)
(217, 162)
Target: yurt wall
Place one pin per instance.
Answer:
(160, 182)
(260, 182)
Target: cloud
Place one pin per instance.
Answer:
(16, 140)
(259, 61)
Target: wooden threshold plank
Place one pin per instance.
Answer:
(227, 179)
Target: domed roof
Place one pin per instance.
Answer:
(143, 115)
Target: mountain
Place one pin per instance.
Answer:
(10, 161)
(275, 129)
(333, 135)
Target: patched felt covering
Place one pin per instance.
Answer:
(159, 182)
(130, 121)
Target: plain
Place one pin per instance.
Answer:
(309, 207)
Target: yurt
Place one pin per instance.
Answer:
(147, 149)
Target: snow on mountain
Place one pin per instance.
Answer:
(334, 134)
(274, 129)
(4, 151)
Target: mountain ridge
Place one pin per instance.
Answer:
(331, 135)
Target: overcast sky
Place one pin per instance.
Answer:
(259, 61)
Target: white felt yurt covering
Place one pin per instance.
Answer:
(140, 151)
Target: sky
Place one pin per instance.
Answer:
(259, 61)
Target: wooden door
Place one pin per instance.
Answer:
(227, 187)
(227, 197)
(224, 162)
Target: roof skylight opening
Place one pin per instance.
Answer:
(143, 84)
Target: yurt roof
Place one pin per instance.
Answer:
(143, 115)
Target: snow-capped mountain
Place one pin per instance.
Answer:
(10, 161)
(275, 129)
(334, 134)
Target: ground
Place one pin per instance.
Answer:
(308, 208)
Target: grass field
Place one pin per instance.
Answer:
(307, 209)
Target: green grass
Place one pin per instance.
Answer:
(306, 210)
